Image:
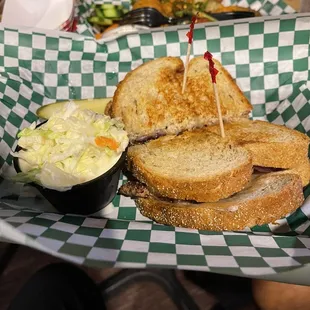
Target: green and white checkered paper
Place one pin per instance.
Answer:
(269, 59)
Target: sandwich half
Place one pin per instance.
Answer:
(150, 101)
(197, 165)
(271, 146)
(266, 198)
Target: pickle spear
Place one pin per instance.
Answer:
(96, 105)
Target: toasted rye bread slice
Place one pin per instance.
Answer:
(303, 169)
(150, 102)
(271, 145)
(268, 197)
(198, 166)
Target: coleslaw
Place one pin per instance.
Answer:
(74, 146)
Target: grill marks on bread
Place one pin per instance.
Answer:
(149, 100)
(200, 90)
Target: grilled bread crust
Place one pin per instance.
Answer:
(268, 198)
(271, 145)
(197, 165)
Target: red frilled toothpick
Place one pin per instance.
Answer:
(213, 72)
(190, 35)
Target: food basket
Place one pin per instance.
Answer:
(268, 57)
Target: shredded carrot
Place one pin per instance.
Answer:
(111, 27)
(98, 36)
(109, 142)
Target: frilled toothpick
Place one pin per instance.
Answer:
(190, 35)
(213, 72)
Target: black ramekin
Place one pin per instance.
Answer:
(85, 198)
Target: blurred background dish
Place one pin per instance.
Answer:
(180, 8)
(153, 18)
(106, 17)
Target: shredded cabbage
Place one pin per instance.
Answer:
(72, 147)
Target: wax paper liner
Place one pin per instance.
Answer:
(268, 57)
